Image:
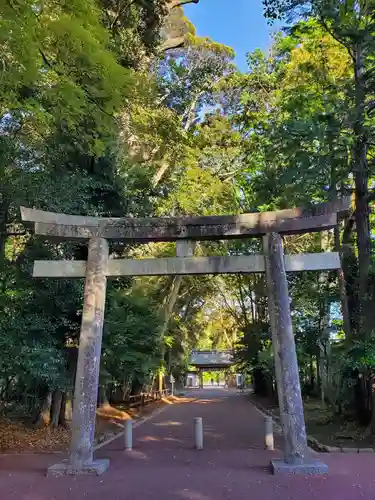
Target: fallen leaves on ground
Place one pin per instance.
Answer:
(18, 437)
(108, 411)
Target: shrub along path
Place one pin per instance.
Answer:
(164, 465)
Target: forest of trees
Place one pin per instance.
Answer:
(118, 108)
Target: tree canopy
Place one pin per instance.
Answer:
(118, 108)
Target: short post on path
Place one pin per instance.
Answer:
(198, 433)
(128, 435)
(268, 433)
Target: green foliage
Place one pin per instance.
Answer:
(67, 78)
(361, 355)
(96, 120)
(132, 343)
(64, 76)
(134, 28)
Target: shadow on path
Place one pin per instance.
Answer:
(165, 466)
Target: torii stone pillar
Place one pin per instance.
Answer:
(88, 364)
(296, 458)
(274, 326)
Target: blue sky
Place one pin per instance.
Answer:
(237, 23)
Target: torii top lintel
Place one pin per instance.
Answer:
(292, 221)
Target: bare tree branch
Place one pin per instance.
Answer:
(179, 3)
(172, 43)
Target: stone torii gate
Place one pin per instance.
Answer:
(186, 231)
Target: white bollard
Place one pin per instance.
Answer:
(198, 431)
(268, 433)
(128, 435)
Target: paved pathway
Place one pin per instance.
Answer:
(164, 466)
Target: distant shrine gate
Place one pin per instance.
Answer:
(186, 231)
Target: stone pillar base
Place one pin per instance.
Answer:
(308, 468)
(94, 468)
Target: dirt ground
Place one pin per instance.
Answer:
(324, 426)
(18, 436)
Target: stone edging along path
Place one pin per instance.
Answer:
(107, 438)
(112, 436)
(312, 442)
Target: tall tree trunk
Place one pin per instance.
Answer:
(159, 174)
(322, 378)
(318, 377)
(171, 302)
(350, 271)
(372, 392)
(185, 250)
(361, 176)
(324, 316)
(103, 396)
(4, 208)
(342, 287)
(187, 121)
(189, 114)
(66, 410)
(57, 397)
(312, 373)
(362, 218)
(44, 413)
(335, 180)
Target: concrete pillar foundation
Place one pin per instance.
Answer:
(93, 468)
(307, 468)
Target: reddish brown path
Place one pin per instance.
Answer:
(164, 465)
